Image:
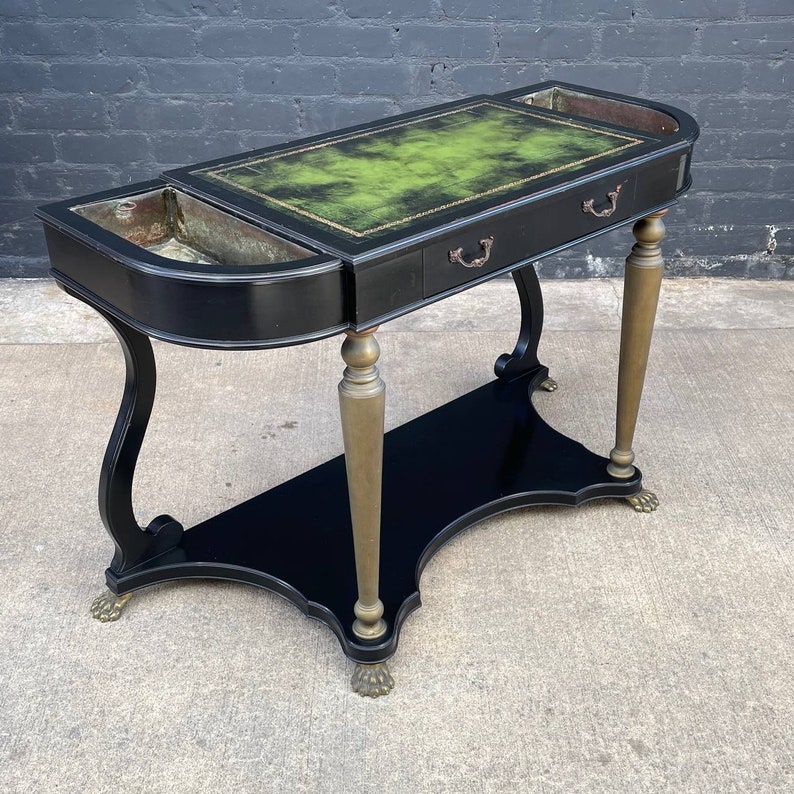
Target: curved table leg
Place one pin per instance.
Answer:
(133, 544)
(524, 357)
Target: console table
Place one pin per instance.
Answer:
(338, 234)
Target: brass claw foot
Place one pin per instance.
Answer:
(108, 606)
(548, 385)
(372, 680)
(644, 501)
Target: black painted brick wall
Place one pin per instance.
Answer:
(97, 93)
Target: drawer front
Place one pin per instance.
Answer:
(528, 231)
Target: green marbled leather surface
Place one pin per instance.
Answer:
(370, 182)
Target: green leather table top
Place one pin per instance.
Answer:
(364, 183)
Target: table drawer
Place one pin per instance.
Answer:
(542, 225)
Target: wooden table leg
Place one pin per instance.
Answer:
(133, 543)
(362, 403)
(643, 278)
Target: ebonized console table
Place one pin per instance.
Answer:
(340, 233)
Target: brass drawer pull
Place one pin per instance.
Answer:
(587, 206)
(457, 254)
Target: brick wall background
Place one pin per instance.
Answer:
(97, 93)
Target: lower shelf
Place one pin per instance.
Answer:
(477, 456)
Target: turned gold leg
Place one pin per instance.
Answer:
(643, 279)
(109, 606)
(362, 403)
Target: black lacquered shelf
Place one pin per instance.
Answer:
(481, 454)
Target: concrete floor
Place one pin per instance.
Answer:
(590, 650)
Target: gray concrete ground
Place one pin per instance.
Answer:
(590, 650)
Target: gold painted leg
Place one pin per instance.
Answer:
(644, 501)
(549, 385)
(108, 606)
(362, 403)
(643, 280)
(372, 680)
